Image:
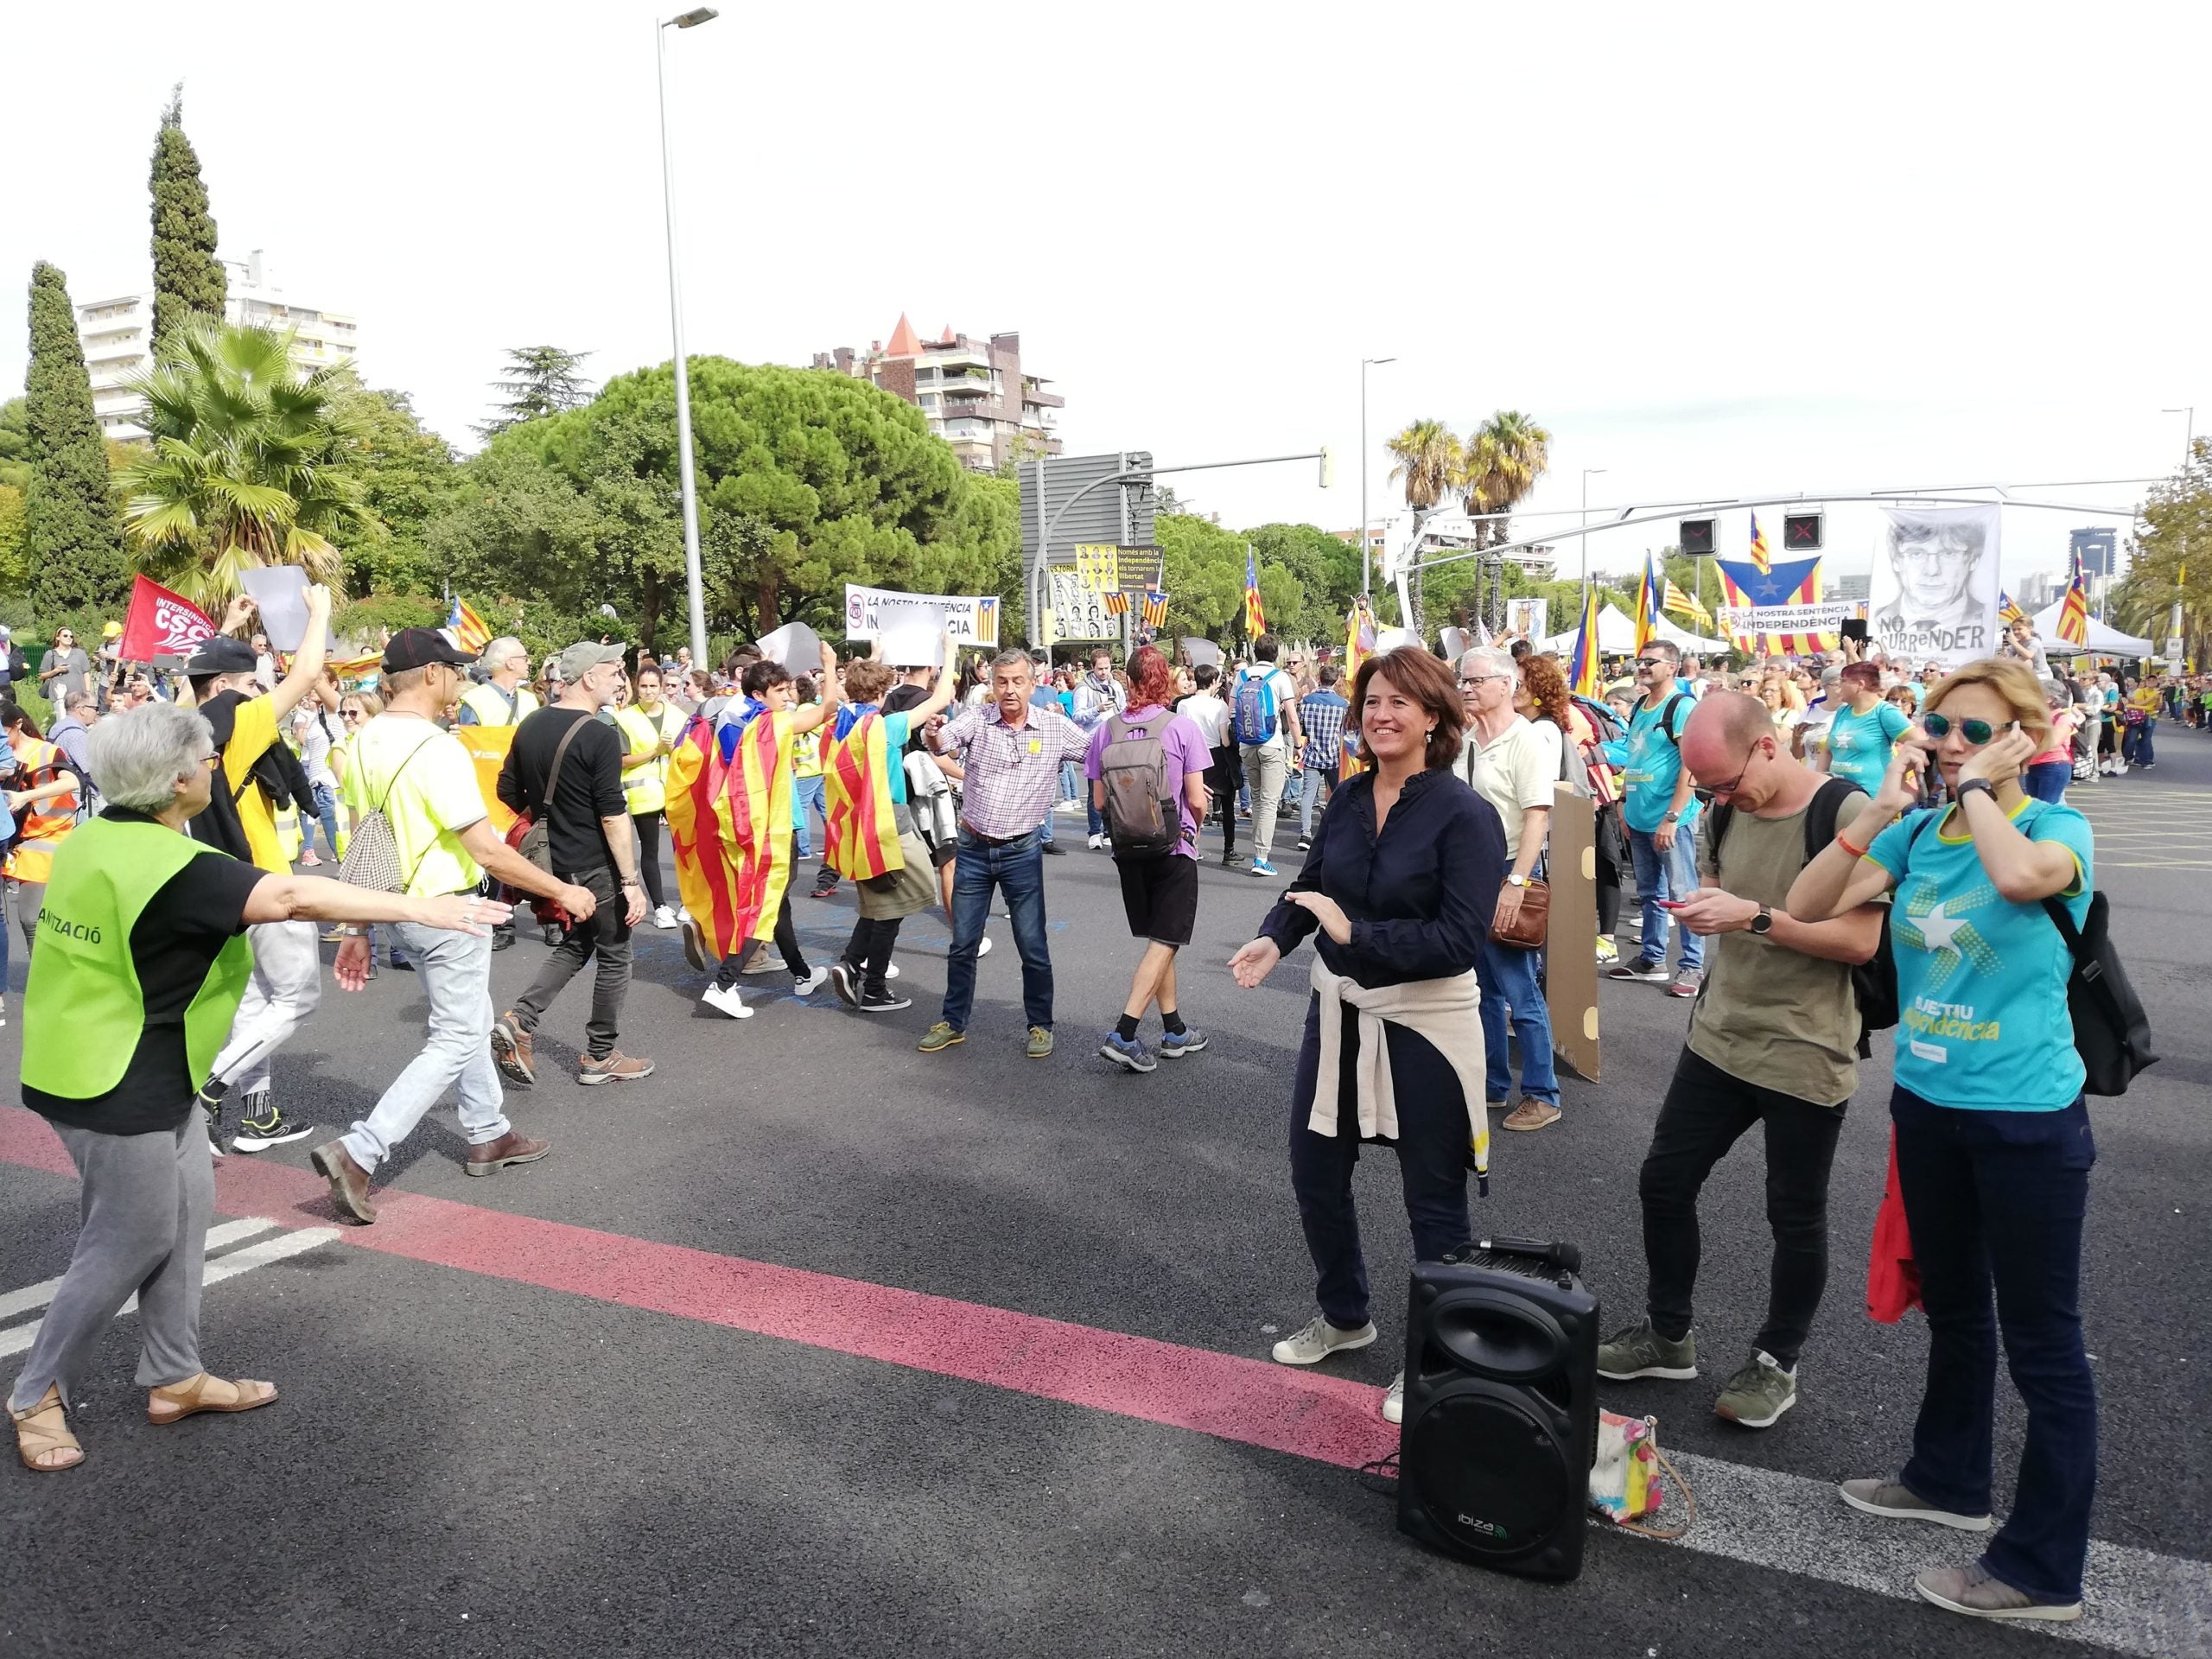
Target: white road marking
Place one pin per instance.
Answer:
(38, 1295)
(19, 1338)
(2134, 1600)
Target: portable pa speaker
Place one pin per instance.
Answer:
(1500, 1409)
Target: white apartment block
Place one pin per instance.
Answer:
(118, 337)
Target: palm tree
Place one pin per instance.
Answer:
(244, 468)
(1506, 456)
(1431, 465)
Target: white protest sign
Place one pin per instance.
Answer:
(1824, 618)
(1528, 616)
(972, 619)
(797, 646)
(279, 594)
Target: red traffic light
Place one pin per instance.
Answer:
(1800, 532)
(1695, 536)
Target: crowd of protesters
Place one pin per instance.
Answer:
(1770, 817)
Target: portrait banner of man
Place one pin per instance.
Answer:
(1935, 591)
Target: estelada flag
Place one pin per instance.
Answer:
(161, 624)
(863, 829)
(729, 823)
(470, 632)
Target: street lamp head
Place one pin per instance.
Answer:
(696, 16)
(1378, 360)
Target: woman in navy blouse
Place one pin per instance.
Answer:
(1398, 891)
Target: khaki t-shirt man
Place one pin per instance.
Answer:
(424, 781)
(1510, 772)
(1767, 1015)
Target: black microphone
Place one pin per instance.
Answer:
(1566, 1257)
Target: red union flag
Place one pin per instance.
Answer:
(161, 624)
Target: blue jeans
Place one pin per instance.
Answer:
(1313, 781)
(805, 792)
(1997, 1198)
(1671, 875)
(1510, 994)
(2135, 745)
(326, 813)
(1015, 867)
(455, 969)
(2046, 781)
(1071, 781)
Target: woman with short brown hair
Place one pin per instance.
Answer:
(1399, 887)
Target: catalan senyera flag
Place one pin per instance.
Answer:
(1647, 604)
(1586, 672)
(1156, 609)
(1117, 603)
(1256, 620)
(729, 820)
(863, 829)
(470, 632)
(2008, 609)
(2073, 613)
(1682, 605)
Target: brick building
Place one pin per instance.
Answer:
(975, 393)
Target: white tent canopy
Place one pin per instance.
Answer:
(1617, 636)
(2103, 641)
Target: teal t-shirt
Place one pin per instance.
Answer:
(1859, 745)
(1651, 759)
(1981, 982)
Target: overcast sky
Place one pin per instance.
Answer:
(1714, 250)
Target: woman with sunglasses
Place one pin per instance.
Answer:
(1993, 1148)
(1864, 730)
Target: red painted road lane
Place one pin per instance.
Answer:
(1256, 1402)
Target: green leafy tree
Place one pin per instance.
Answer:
(247, 463)
(72, 545)
(1504, 458)
(538, 381)
(406, 477)
(2172, 559)
(1326, 571)
(188, 280)
(15, 443)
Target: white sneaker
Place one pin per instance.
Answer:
(813, 982)
(725, 1002)
(983, 946)
(1394, 1400)
(663, 919)
(1318, 1340)
(891, 969)
(1096, 842)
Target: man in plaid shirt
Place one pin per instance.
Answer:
(1321, 712)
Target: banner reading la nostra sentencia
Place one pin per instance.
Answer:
(972, 619)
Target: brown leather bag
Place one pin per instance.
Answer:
(1527, 932)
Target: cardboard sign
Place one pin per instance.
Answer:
(973, 620)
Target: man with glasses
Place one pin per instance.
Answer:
(1660, 816)
(1501, 760)
(1770, 1043)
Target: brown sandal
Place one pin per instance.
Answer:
(180, 1400)
(41, 1434)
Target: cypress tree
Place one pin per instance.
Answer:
(187, 278)
(73, 542)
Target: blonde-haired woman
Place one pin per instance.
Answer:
(1994, 1147)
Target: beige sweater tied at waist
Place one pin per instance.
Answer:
(1447, 1012)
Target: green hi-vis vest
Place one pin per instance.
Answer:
(83, 1012)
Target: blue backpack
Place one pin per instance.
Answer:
(1255, 705)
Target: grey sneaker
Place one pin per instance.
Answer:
(1895, 1501)
(1640, 1351)
(1040, 1044)
(1759, 1392)
(1978, 1594)
(1394, 1400)
(1686, 983)
(940, 1037)
(1318, 1340)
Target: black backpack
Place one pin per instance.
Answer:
(1147, 822)
(2110, 1032)
(1873, 981)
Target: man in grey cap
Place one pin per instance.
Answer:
(565, 769)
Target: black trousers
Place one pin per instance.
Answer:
(1706, 1112)
(647, 825)
(604, 940)
(786, 941)
(868, 951)
(1224, 778)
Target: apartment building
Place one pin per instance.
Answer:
(118, 335)
(975, 393)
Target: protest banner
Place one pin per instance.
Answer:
(161, 624)
(972, 619)
(1824, 618)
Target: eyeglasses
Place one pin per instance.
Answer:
(1652, 662)
(1469, 681)
(212, 761)
(349, 714)
(1976, 731)
(1709, 794)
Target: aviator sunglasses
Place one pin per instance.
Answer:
(1976, 731)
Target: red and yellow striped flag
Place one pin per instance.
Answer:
(863, 829)
(702, 869)
(729, 822)
(2074, 614)
(1255, 621)
(470, 632)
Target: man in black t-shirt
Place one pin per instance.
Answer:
(591, 842)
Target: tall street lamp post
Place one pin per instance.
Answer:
(1366, 553)
(1588, 472)
(686, 476)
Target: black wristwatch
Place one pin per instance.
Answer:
(1763, 924)
(1973, 786)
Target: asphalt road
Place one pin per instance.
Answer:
(536, 1415)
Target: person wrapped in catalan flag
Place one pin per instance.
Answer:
(729, 819)
(871, 834)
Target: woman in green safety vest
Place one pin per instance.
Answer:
(140, 960)
(651, 730)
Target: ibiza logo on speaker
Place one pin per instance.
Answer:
(1487, 1528)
